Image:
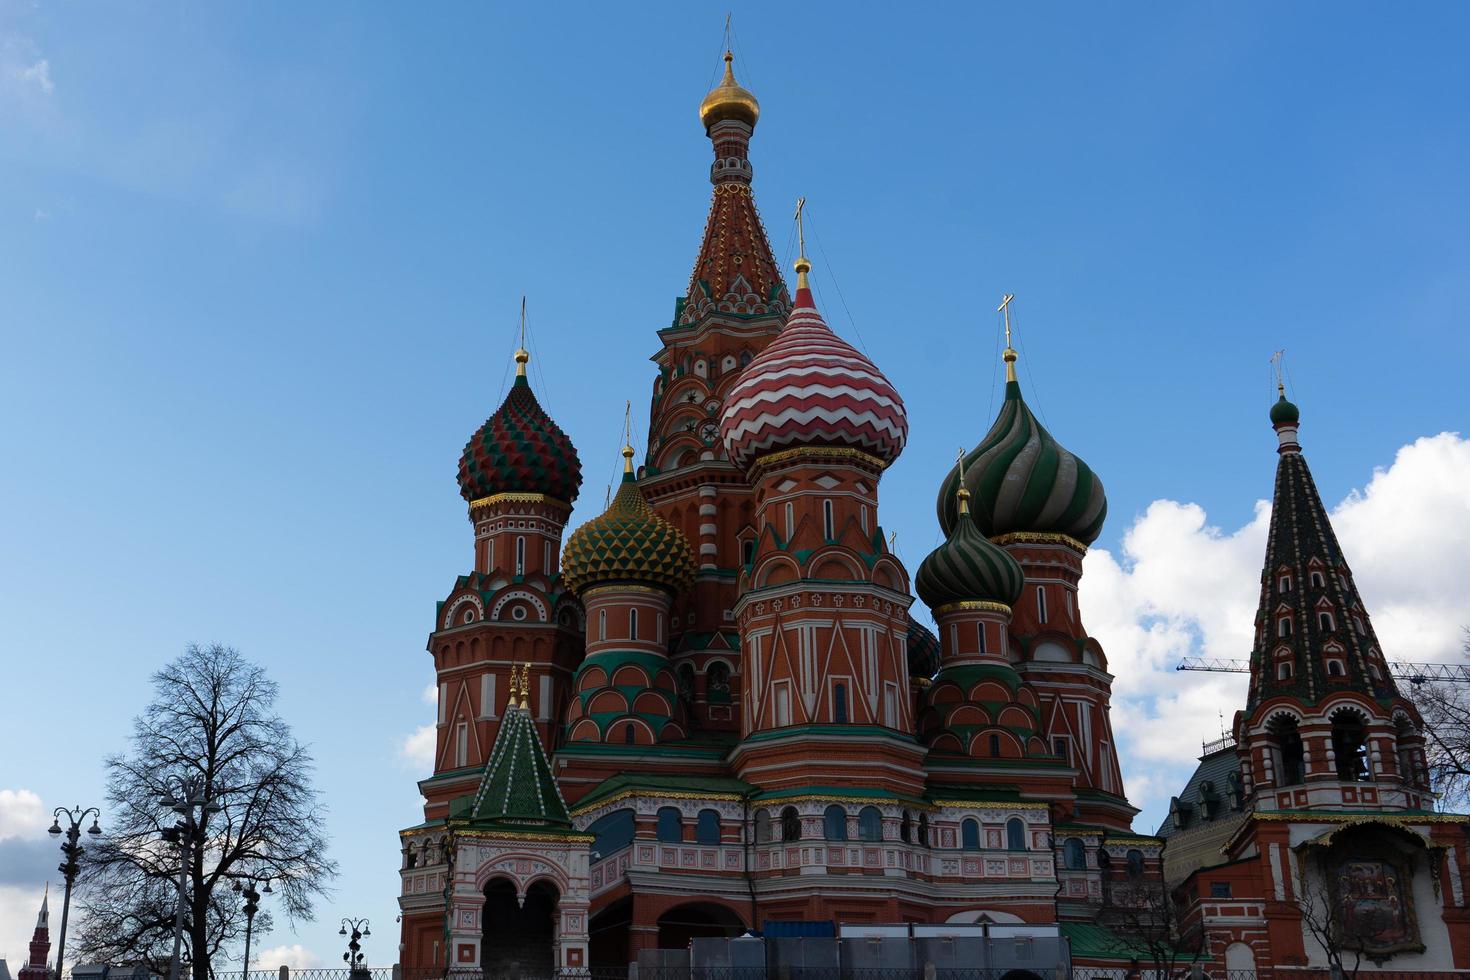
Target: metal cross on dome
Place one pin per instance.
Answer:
(1005, 308)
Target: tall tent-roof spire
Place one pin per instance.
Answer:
(1313, 635)
(736, 271)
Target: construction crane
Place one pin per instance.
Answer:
(1403, 670)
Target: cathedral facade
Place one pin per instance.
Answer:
(711, 708)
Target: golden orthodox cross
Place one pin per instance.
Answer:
(800, 230)
(1005, 308)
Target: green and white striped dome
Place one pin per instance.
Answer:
(1022, 480)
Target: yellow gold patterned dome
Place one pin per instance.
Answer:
(728, 100)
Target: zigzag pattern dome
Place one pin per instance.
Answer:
(1021, 479)
(968, 568)
(520, 449)
(628, 543)
(811, 388)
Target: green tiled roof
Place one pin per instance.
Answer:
(1099, 942)
(518, 788)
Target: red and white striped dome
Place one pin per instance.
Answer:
(811, 388)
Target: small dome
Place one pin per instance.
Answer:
(811, 388)
(628, 543)
(1284, 412)
(728, 100)
(520, 449)
(1022, 479)
(968, 568)
(923, 647)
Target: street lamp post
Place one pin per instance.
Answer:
(69, 868)
(191, 795)
(354, 956)
(252, 905)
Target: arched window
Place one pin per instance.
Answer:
(628, 736)
(834, 823)
(707, 829)
(763, 826)
(1041, 603)
(1015, 834)
(1334, 668)
(839, 703)
(670, 825)
(1104, 859)
(1318, 581)
(995, 746)
(1135, 864)
(906, 828)
(411, 857)
(790, 520)
(828, 531)
(632, 624)
(980, 631)
(747, 551)
(870, 824)
(1283, 670)
(658, 635)
(790, 825)
(1283, 584)
(520, 555)
(923, 830)
(1283, 626)
(717, 683)
(970, 834)
(1324, 621)
(602, 624)
(613, 832)
(1074, 854)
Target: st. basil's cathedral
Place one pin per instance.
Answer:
(711, 711)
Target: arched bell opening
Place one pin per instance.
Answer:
(519, 935)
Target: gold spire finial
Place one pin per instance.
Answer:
(627, 437)
(511, 703)
(1276, 363)
(522, 355)
(962, 493)
(1009, 356)
(525, 685)
(803, 264)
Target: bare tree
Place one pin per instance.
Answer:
(1445, 707)
(1146, 920)
(212, 718)
(1323, 920)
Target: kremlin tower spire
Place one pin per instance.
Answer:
(35, 968)
(1323, 709)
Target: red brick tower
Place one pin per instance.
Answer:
(519, 475)
(1338, 836)
(823, 609)
(36, 968)
(735, 303)
(1045, 506)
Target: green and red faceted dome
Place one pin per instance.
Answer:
(520, 449)
(628, 544)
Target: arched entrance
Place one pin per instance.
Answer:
(696, 920)
(607, 937)
(519, 939)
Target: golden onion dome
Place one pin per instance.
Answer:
(728, 100)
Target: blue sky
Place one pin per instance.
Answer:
(260, 267)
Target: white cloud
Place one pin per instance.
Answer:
(296, 956)
(42, 215)
(430, 695)
(1183, 587)
(39, 75)
(18, 908)
(21, 813)
(418, 748)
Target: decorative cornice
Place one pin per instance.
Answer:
(1038, 537)
(653, 795)
(517, 498)
(973, 605)
(1134, 841)
(1313, 816)
(598, 589)
(465, 828)
(990, 805)
(823, 453)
